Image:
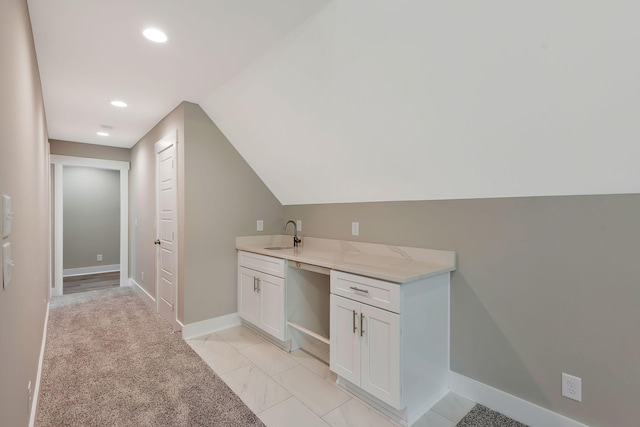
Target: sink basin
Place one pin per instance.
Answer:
(277, 248)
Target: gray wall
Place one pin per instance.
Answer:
(78, 149)
(91, 216)
(23, 175)
(219, 198)
(544, 285)
(223, 199)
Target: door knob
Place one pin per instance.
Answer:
(157, 242)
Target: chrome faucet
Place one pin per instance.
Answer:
(296, 240)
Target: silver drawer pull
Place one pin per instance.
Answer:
(358, 289)
(354, 322)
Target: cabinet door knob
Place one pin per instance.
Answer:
(354, 322)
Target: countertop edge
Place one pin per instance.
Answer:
(433, 269)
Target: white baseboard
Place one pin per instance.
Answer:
(507, 404)
(68, 272)
(36, 387)
(146, 296)
(204, 327)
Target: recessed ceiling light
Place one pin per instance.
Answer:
(155, 35)
(117, 103)
(103, 133)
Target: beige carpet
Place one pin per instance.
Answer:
(111, 361)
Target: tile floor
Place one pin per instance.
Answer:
(295, 389)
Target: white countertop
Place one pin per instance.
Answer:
(397, 264)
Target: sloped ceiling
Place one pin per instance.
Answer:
(343, 101)
(92, 52)
(435, 100)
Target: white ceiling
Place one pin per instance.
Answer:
(91, 52)
(345, 101)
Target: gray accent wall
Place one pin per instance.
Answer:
(219, 197)
(544, 285)
(24, 175)
(91, 217)
(223, 199)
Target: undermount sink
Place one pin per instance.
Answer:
(277, 248)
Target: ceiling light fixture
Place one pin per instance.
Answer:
(120, 104)
(102, 133)
(155, 35)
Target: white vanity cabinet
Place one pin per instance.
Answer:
(390, 341)
(365, 348)
(261, 292)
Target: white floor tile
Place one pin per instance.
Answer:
(240, 337)
(218, 354)
(354, 413)
(433, 419)
(193, 342)
(291, 413)
(316, 393)
(453, 407)
(269, 358)
(320, 350)
(256, 389)
(315, 365)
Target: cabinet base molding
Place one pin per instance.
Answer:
(284, 345)
(405, 417)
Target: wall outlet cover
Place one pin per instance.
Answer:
(259, 225)
(572, 387)
(7, 264)
(299, 225)
(355, 228)
(7, 216)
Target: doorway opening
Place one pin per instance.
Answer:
(90, 231)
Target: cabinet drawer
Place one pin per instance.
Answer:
(377, 293)
(266, 264)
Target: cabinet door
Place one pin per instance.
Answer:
(380, 374)
(272, 315)
(344, 340)
(248, 297)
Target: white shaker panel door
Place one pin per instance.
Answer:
(248, 297)
(380, 374)
(272, 316)
(345, 338)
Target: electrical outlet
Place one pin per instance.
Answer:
(259, 225)
(299, 225)
(99, 257)
(355, 228)
(572, 387)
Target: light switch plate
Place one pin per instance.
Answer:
(6, 216)
(259, 225)
(355, 228)
(7, 263)
(299, 225)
